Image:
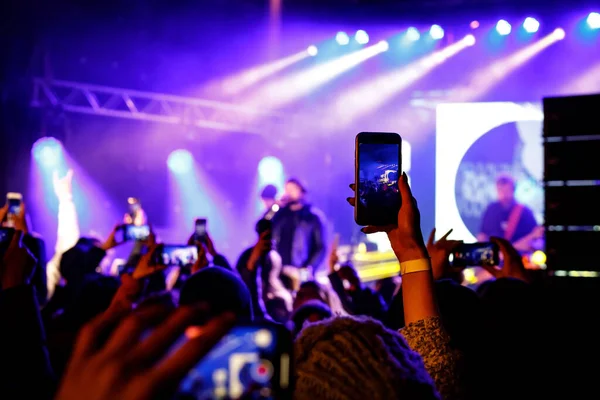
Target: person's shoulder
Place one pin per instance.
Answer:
(316, 212)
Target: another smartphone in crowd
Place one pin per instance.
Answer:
(6, 235)
(134, 232)
(175, 255)
(377, 168)
(200, 229)
(253, 361)
(14, 200)
(475, 255)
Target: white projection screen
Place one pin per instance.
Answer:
(474, 143)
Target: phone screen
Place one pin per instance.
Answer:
(475, 254)
(6, 235)
(135, 232)
(251, 362)
(200, 228)
(377, 191)
(14, 206)
(177, 255)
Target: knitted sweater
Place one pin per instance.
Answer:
(428, 338)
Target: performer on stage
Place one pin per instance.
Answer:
(508, 219)
(298, 233)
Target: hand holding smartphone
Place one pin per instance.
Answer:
(175, 255)
(200, 230)
(134, 232)
(253, 361)
(377, 168)
(475, 255)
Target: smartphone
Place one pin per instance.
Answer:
(175, 255)
(6, 235)
(14, 200)
(200, 230)
(253, 361)
(475, 255)
(135, 232)
(377, 167)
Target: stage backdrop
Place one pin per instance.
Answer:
(474, 143)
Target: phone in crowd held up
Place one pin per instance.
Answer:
(475, 255)
(14, 200)
(6, 235)
(377, 168)
(200, 229)
(134, 232)
(253, 361)
(176, 255)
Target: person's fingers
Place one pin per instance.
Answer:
(167, 375)
(351, 201)
(128, 333)
(159, 342)
(405, 191)
(22, 211)
(505, 247)
(92, 334)
(495, 272)
(375, 229)
(443, 238)
(352, 186)
(265, 235)
(431, 238)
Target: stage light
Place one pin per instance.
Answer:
(538, 258)
(474, 24)
(270, 171)
(413, 34)
(361, 37)
(531, 25)
(47, 151)
(470, 40)
(342, 38)
(180, 161)
(436, 32)
(384, 45)
(312, 50)
(503, 27)
(593, 20)
(559, 33)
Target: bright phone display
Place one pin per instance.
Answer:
(14, 200)
(252, 362)
(135, 232)
(176, 255)
(378, 164)
(475, 254)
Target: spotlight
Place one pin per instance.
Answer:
(342, 38)
(361, 37)
(436, 32)
(531, 25)
(47, 152)
(469, 40)
(593, 20)
(503, 27)
(474, 24)
(270, 170)
(413, 34)
(383, 45)
(559, 33)
(180, 161)
(312, 50)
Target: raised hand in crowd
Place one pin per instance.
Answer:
(262, 247)
(17, 264)
(111, 241)
(129, 366)
(202, 260)
(512, 266)
(19, 221)
(440, 251)
(63, 187)
(334, 259)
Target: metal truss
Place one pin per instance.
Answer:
(123, 103)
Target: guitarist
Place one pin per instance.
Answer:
(508, 219)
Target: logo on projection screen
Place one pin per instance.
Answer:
(499, 150)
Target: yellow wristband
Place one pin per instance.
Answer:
(422, 264)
